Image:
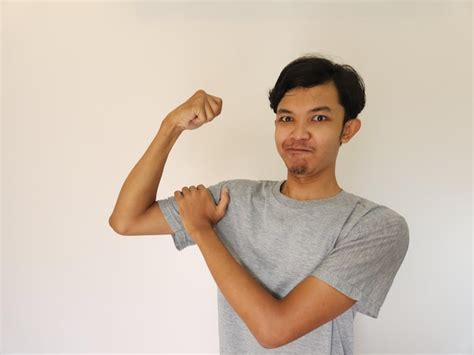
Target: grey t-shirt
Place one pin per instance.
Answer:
(351, 243)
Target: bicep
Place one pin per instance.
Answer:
(309, 305)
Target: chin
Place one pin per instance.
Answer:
(298, 170)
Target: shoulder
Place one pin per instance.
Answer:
(244, 190)
(378, 216)
(247, 185)
(372, 218)
(241, 187)
(373, 213)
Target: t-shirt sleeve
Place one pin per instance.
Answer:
(364, 263)
(170, 210)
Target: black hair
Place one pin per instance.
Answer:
(313, 69)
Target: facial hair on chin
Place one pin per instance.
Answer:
(298, 170)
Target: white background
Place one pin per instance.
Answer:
(85, 87)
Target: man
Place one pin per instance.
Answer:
(293, 260)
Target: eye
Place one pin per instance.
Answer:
(282, 118)
(320, 116)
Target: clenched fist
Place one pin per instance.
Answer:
(197, 110)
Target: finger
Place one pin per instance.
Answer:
(209, 112)
(201, 114)
(184, 190)
(216, 104)
(201, 186)
(216, 99)
(178, 195)
(192, 188)
(224, 200)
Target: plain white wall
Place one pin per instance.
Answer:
(84, 89)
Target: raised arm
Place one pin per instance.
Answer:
(136, 211)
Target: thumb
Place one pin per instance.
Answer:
(224, 201)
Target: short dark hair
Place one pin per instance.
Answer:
(313, 69)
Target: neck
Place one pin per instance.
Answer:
(309, 188)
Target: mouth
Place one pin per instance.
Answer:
(299, 150)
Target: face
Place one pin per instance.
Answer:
(308, 140)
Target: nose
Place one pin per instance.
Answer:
(300, 131)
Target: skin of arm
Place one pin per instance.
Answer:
(139, 189)
(273, 322)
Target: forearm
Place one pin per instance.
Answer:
(139, 189)
(252, 302)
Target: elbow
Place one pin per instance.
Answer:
(269, 342)
(271, 335)
(267, 345)
(117, 227)
(274, 341)
(265, 342)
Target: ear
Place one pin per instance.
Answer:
(350, 129)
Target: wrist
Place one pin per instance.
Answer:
(202, 232)
(171, 127)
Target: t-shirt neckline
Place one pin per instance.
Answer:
(304, 203)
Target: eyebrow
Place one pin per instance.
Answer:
(316, 109)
